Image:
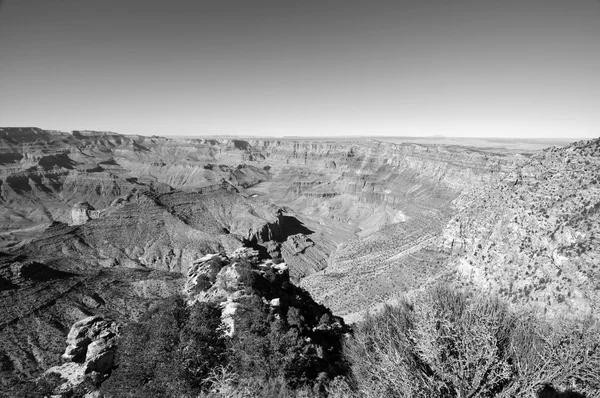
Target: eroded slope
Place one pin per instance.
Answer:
(533, 236)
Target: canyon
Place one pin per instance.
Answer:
(104, 224)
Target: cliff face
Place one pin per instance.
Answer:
(453, 166)
(533, 236)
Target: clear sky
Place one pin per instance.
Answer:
(501, 68)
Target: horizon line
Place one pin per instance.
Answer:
(243, 135)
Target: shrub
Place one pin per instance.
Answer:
(169, 352)
(452, 344)
(272, 348)
(43, 387)
(203, 283)
(247, 276)
(563, 353)
(215, 265)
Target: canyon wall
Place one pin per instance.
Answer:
(533, 237)
(373, 211)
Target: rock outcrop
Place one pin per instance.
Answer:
(229, 280)
(82, 212)
(90, 352)
(303, 256)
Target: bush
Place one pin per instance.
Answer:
(268, 346)
(276, 350)
(450, 344)
(563, 353)
(215, 265)
(247, 276)
(169, 352)
(43, 387)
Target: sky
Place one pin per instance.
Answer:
(479, 68)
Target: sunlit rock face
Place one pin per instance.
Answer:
(82, 212)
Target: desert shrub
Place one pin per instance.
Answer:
(226, 384)
(268, 346)
(383, 359)
(203, 283)
(202, 345)
(215, 265)
(169, 352)
(563, 353)
(176, 350)
(452, 344)
(270, 275)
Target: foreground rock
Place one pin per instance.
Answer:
(90, 352)
(230, 279)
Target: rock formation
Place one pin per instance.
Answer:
(226, 280)
(82, 212)
(90, 352)
(303, 255)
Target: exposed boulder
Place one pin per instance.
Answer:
(91, 347)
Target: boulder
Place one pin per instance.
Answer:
(91, 347)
